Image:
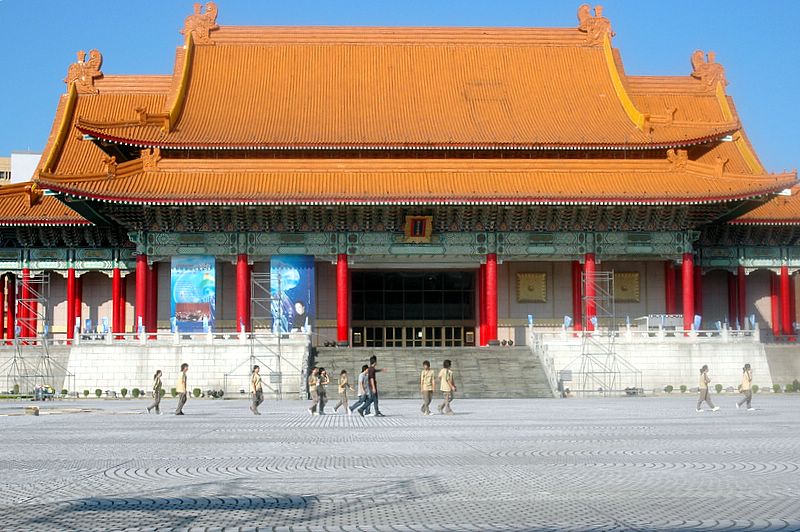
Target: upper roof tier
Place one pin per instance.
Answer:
(320, 87)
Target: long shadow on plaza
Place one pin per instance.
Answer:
(201, 505)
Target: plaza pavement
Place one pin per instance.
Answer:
(592, 464)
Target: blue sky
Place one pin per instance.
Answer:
(755, 41)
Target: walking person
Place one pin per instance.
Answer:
(372, 389)
(448, 385)
(426, 387)
(156, 394)
(257, 390)
(181, 388)
(704, 382)
(313, 377)
(362, 389)
(344, 385)
(322, 390)
(746, 387)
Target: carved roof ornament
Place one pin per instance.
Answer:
(706, 70)
(678, 158)
(719, 165)
(83, 73)
(200, 25)
(150, 158)
(35, 194)
(111, 166)
(595, 27)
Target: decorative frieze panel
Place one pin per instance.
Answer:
(751, 257)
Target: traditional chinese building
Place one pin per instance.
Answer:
(451, 184)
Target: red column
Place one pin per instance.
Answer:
(792, 302)
(24, 311)
(11, 304)
(141, 292)
(669, 288)
(242, 293)
(342, 300)
(121, 308)
(70, 303)
(78, 308)
(732, 300)
(775, 307)
(116, 281)
(482, 304)
(698, 289)
(786, 306)
(590, 289)
(152, 299)
(687, 280)
(577, 296)
(491, 298)
(2, 305)
(741, 295)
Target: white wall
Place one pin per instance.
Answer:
(23, 166)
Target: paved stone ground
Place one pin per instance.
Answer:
(604, 464)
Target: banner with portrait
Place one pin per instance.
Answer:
(292, 291)
(193, 293)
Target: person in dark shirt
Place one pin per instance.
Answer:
(372, 389)
(300, 316)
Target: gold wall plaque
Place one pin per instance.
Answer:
(626, 287)
(532, 287)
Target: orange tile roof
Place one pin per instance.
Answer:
(417, 181)
(405, 87)
(16, 208)
(780, 210)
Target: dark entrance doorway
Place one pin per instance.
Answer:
(413, 309)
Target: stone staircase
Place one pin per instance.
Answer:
(481, 372)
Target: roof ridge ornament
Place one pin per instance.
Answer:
(35, 194)
(150, 158)
(111, 166)
(596, 27)
(678, 158)
(707, 70)
(83, 73)
(200, 25)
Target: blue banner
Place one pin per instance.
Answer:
(292, 292)
(193, 293)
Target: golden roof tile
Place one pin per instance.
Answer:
(26, 204)
(783, 209)
(419, 181)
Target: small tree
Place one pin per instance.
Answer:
(683, 388)
(86, 393)
(162, 392)
(98, 392)
(64, 392)
(668, 388)
(789, 388)
(718, 387)
(754, 388)
(796, 385)
(16, 389)
(174, 392)
(196, 392)
(776, 388)
(135, 393)
(124, 392)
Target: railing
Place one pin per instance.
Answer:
(631, 334)
(161, 337)
(539, 348)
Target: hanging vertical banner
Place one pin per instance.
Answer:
(193, 289)
(292, 292)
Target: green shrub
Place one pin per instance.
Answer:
(136, 392)
(776, 388)
(683, 388)
(86, 393)
(16, 389)
(718, 387)
(754, 388)
(163, 392)
(124, 392)
(789, 388)
(796, 385)
(668, 388)
(174, 392)
(196, 392)
(64, 391)
(98, 392)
